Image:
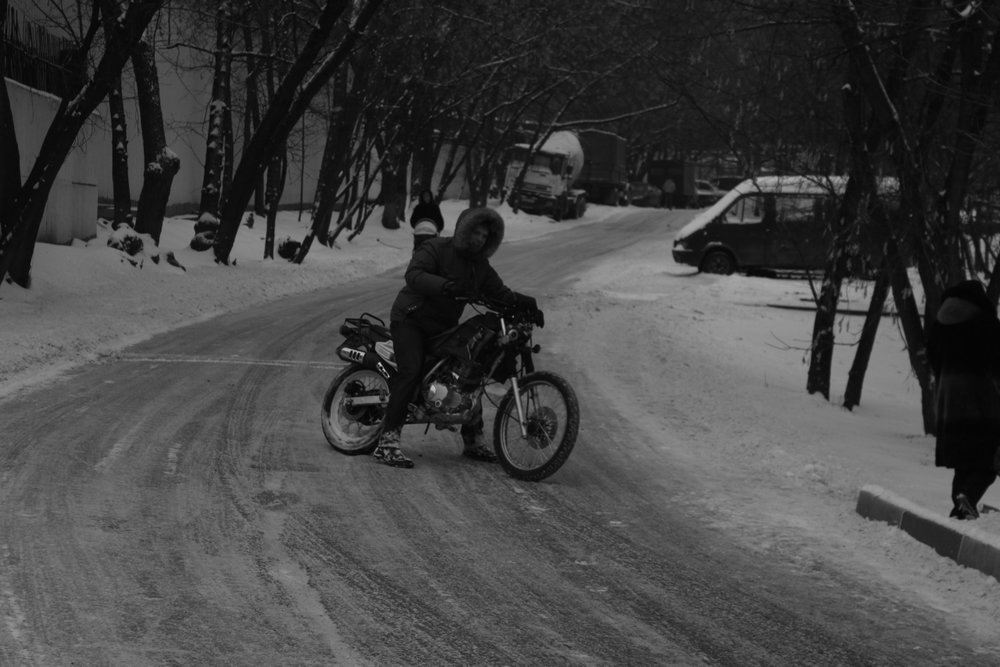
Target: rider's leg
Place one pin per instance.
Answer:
(474, 440)
(408, 346)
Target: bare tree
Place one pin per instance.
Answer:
(290, 100)
(252, 108)
(18, 241)
(953, 108)
(338, 159)
(10, 166)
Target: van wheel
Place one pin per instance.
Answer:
(718, 261)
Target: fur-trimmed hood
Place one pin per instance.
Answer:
(441, 263)
(472, 217)
(963, 302)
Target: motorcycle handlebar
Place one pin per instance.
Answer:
(482, 300)
(507, 308)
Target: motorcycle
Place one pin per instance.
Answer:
(536, 421)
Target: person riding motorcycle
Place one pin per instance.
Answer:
(441, 276)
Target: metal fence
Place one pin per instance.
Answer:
(37, 58)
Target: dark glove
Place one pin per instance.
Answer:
(525, 302)
(530, 304)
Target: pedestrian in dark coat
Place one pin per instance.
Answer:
(963, 346)
(441, 275)
(426, 219)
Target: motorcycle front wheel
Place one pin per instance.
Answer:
(348, 428)
(552, 420)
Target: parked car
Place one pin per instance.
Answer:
(644, 194)
(706, 193)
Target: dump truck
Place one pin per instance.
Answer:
(566, 171)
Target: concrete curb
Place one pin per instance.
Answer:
(957, 540)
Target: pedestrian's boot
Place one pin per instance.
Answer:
(476, 448)
(964, 510)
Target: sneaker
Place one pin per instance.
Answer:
(478, 450)
(389, 453)
(964, 510)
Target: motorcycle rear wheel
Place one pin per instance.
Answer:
(552, 416)
(353, 430)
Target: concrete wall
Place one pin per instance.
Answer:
(185, 95)
(71, 211)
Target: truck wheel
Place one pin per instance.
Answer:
(718, 261)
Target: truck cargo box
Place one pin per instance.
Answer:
(605, 174)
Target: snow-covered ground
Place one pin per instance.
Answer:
(712, 371)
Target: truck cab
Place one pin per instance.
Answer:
(548, 180)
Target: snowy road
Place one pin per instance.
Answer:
(179, 505)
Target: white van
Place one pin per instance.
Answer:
(770, 222)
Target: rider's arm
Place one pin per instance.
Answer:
(423, 272)
(492, 286)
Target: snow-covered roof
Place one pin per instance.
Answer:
(829, 185)
(558, 143)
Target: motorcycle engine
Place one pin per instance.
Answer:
(451, 391)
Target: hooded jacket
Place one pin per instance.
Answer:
(963, 347)
(440, 261)
(427, 209)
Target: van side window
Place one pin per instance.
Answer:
(746, 211)
(797, 209)
(735, 213)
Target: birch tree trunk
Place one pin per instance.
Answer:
(162, 164)
(215, 150)
(119, 157)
